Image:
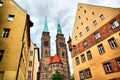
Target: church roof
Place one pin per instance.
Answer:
(59, 31)
(45, 26)
(55, 59)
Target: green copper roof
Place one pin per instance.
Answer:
(59, 31)
(45, 26)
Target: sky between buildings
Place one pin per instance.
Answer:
(65, 10)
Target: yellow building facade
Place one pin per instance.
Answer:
(14, 41)
(95, 43)
(32, 64)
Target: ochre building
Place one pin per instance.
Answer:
(49, 64)
(95, 43)
(14, 41)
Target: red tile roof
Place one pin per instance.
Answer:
(55, 59)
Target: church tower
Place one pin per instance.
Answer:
(45, 52)
(61, 50)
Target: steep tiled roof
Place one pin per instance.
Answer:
(55, 59)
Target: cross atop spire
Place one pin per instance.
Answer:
(59, 31)
(45, 26)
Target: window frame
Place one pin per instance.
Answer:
(94, 22)
(1, 54)
(30, 63)
(118, 62)
(29, 75)
(11, 17)
(83, 59)
(101, 48)
(97, 35)
(31, 53)
(77, 60)
(102, 17)
(6, 32)
(1, 4)
(114, 25)
(82, 75)
(107, 67)
(85, 43)
(112, 42)
(87, 29)
(80, 34)
(87, 71)
(89, 55)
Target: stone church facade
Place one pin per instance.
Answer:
(49, 64)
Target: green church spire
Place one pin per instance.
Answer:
(59, 31)
(45, 26)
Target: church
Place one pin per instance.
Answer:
(49, 64)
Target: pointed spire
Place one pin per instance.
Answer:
(59, 31)
(45, 26)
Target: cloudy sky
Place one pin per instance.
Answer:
(65, 10)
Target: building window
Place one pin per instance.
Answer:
(1, 4)
(77, 60)
(11, 18)
(81, 23)
(79, 17)
(45, 43)
(63, 55)
(6, 33)
(101, 49)
(80, 34)
(84, 11)
(87, 29)
(1, 54)
(112, 43)
(30, 63)
(114, 24)
(82, 76)
(46, 53)
(62, 44)
(97, 35)
(31, 53)
(76, 38)
(101, 16)
(77, 27)
(88, 73)
(89, 55)
(108, 67)
(87, 19)
(29, 75)
(118, 62)
(85, 43)
(83, 58)
(93, 13)
(75, 49)
(95, 22)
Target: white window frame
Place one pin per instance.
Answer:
(102, 17)
(88, 73)
(83, 58)
(101, 49)
(29, 75)
(85, 43)
(1, 4)
(11, 18)
(95, 22)
(5, 33)
(115, 24)
(112, 43)
(118, 62)
(82, 76)
(89, 55)
(87, 29)
(97, 35)
(108, 67)
(80, 34)
(77, 61)
(76, 38)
